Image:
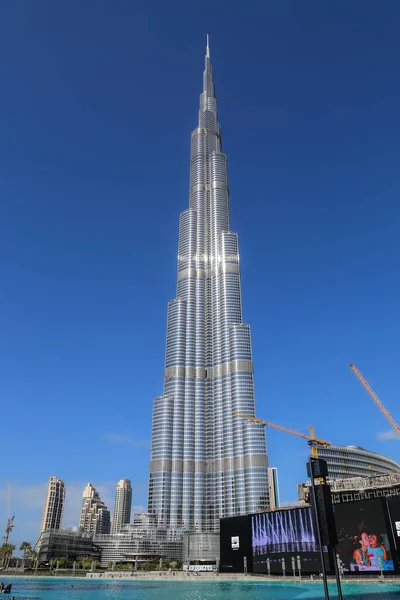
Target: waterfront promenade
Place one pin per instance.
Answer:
(224, 577)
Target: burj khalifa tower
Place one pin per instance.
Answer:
(206, 463)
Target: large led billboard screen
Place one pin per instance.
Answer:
(280, 536)
(363, 537)
(393, 504)
(283, 531)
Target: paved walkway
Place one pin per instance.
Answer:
(221, 577)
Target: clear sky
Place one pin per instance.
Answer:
(98, 101)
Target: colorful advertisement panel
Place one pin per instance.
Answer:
(363, 536)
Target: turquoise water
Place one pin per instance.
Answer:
(60, 589)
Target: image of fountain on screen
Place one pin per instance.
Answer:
(284, 534)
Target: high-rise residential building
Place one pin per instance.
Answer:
(95, 516)
(54, 504)
(206, 463)
(273, 486)
(122, 506)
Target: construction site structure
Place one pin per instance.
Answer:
(353, 489)
(375, 398)
(9, 528)
(313, 441)
(365, 483)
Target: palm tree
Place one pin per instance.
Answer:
(6, 552)
(2, 555)
(11, 549)
(86, 562)
(63, 562)
(33, 555)
(25, 547)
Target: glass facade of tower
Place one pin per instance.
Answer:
(206, 463)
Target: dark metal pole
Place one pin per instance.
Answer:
(321, 552)
(337, 573)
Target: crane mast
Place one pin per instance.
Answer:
(375, 398)
(9, 528)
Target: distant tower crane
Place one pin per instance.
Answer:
(375, 398)
(9, 528)
(313, 441)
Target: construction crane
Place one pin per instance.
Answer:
(37, 541)
(375, 398)
(313, 441)
(9, 528)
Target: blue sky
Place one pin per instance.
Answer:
(98, 102)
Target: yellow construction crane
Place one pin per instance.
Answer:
(375, 398)
(313, 441)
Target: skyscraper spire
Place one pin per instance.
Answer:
(208, 85)
(206, 464)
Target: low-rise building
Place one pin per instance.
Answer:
(353, 461)
(201, 551)
(74, 545)
(140, 541)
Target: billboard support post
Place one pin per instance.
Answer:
(340, 567)
(327, 523)
(299, 565)
(339, 564)
(337, 572)
(321, 552)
